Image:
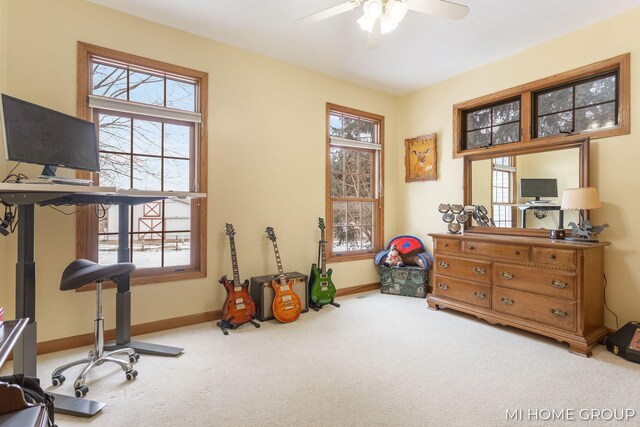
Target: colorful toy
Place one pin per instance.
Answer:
(393, 258)
(410, 250)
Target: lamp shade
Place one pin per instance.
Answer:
(580, 198)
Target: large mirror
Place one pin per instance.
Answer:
(522, 192)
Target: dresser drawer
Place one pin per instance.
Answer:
(447, 245)
(462, 290)
(495, 250)
(554, 256)
(556, 312)
(470, 269)
(533, 279)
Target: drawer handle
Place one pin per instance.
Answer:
(558, 313)
(552, 256)
(472, 247)
(506, 276)
(446, 245)
(443, 264)
(507, 301)
(480, 295)
(516, 252)
(558, 284)
(479, 270)
(443, 286)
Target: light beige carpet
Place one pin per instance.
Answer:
(379, 360)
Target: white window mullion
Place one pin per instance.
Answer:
(342, 142)
(124, 106)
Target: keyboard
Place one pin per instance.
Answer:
(66, 181)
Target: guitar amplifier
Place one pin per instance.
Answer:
(262, 293)
(626, 342)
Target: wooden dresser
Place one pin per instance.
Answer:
(550, 287)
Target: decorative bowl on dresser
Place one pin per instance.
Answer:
(551, 287)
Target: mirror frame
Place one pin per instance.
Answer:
(582, 144)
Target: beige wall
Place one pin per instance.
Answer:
(266, 156)
(614, 169)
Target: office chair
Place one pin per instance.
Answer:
(77, 274)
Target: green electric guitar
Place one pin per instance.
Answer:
(321, 291)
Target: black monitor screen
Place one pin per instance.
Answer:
(538, 187)
(34, 134)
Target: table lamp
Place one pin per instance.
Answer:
(584, 198)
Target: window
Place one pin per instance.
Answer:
(151, 133)
(503, 191)
(493, 125)
(583, 105)
(592, 101)
(354, 184)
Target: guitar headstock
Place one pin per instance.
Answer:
(230, 231)
(271, 235)
(321, 223)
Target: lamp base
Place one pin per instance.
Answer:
(580, 239)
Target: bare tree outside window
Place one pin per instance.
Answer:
(584, 105)
(146, 152)
(353, 194)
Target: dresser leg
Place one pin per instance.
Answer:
(432, 305)
(581, 349)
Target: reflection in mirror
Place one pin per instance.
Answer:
(497, 184)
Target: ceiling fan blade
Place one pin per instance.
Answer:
(373, 40)
(442, 8)
(328, 13)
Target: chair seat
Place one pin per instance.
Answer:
(82, 271)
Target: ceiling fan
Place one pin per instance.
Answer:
(383, 16)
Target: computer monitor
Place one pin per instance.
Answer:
(35, 134)
(538, 187)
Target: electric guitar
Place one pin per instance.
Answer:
(238, 307)
(286, 304)
(322, 291)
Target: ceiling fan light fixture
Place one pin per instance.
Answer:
(372, 9)
(366, 23)
(387, 24)
(396, 9)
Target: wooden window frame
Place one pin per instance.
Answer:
(572, 110)
(465, 113)
(526, 92)
(378, 225)
(87, 221)
(513, 176)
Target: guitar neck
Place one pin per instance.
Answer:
(283, 280)
(234, 261)
(323, 256)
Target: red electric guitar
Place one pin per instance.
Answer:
(238, 307)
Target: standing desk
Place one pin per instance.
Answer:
(542, 207)
(26, 196)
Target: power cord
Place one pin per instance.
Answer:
(605, 302)
(6, 225)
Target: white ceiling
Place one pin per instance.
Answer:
(423, 50)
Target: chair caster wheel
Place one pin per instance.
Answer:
(134, 358)
(56, 381)
(82, 391)
(131, 375)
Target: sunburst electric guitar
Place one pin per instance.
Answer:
(321, 291)
(238, 307)
(286, 304)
